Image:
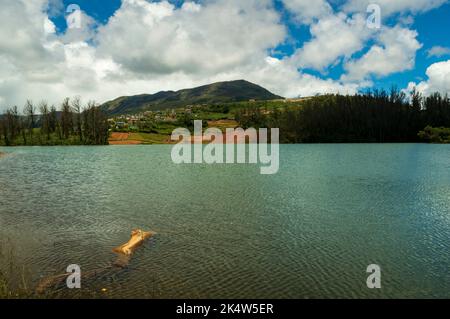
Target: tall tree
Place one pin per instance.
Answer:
(29, 112)
(66, 119)
(45, 119)
(76, 107)
(53, 120)
(10, 125)
(4, 129)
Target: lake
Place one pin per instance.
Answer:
(225, 231)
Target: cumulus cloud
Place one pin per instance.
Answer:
(280, 77)
(333, 37)
(395, 51)
(438, 79)
(83, 29)
(24, 33)
(195, 38)
(306, 11)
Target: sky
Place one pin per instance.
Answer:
(100, 50)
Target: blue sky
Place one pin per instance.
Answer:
(292, 47)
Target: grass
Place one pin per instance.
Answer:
(215, 116)
(165, 128)
(37, 138)
(13, 276)
(223, 124)
(436, 135)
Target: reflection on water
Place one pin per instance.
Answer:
(227, 231)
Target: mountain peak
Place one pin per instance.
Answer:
(219, 92)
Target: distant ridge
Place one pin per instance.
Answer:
(221, 92)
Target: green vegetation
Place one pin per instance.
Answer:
(72, 125)
(373, 117)
(217, 93)
(438, 135)
(161, 124)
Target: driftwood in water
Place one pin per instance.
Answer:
(124, 252)
(137, 239)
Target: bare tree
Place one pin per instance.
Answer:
(76, 107)
(66, 119)
(53, 120)
(14, 123)
(29, 111)
(45, 119)
(96, 129)
(3, 129)
(10, 125)
(23, 125)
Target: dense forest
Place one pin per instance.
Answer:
(72, 124)
(373, 117)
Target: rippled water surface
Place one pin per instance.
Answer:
(227, 231)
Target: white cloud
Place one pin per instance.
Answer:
(389, 7)
(333, 37)
(438, 79)
(23, 32)
(306, 11)
(36, 62)
(281, 78)
(208, 38)
(395, 51)
(438, 52)
(83, 30)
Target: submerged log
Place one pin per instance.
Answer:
(137, 239)
(54, 282)
(125, 251)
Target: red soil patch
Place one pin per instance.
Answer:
(122, 139)
(119, 136)
(124, 142)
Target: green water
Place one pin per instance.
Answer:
(228, 232)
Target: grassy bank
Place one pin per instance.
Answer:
(14, 279)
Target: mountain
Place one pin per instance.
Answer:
(221, 92)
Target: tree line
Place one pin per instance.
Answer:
(371, 117)
(42, 124)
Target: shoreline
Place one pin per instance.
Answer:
(206, 142)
